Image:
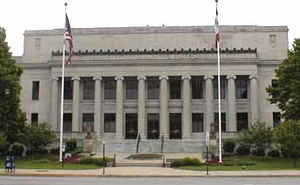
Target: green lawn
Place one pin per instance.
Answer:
(237, 163)
(47, 162)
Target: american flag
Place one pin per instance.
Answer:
(69, 39)
(217, 25)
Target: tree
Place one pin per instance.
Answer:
(12, 119)
(285, 92)
(39, 136)
(258, 136)
(287, 135)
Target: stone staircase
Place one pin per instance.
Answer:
(141, 160)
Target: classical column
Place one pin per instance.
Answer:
(253, 98)
(231, 103)
(209, 101)
(164, 114)
(119, 108)
(187, 107)
(99, 127)
(142, 106)
(75, 107)
(54, 104)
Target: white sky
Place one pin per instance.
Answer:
(16, 16)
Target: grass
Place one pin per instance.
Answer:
(239, 163)
(48, 162)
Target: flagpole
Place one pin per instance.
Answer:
(62, 98)
(219, 93)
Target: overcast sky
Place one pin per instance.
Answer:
(16, 16)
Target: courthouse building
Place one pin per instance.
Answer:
(152, 81)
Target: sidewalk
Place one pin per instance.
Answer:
(152, 172)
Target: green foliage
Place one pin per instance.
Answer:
(258, 136)
(3, 143)
(54, 151)
(17, 150)
(71, 145)
(37, 137)
(243, 150)
(229, 146)
(95, 161)
(12, 119)
(186, 162)
(285, 93)
(273, 153)
(287, 135)
(260, 152)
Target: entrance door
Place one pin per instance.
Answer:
(175, 126)
(131, 126)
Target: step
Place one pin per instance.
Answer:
(139, 164)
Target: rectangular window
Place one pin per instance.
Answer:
(110, 88)
(241, 84)
(242, 121)
(175, 126)
(88, 122)
(88, 88)
(67, 122)
(276, 118)
(215, 86)
(153, 126)
(109, 122)
(68, 89)
(131, 126)
(197, 122)
(35, 90)
(223, 121)
(34, 119)
(153, 88)
(175, 88)
(131, 87)
(197, 87)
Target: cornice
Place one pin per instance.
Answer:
(174, 51)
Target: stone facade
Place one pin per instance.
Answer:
(249, 54)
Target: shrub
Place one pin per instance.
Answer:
(17, 150)
(243, 150)
(259, 152)
(71, 145)
(273, 153)
(95, 161)
(54, 151)
(229, 146)
(186, 162)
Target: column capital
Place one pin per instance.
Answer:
(163, 77)
(142, 77)
(75, 78)
(231, 77)
(119, 78)
(97, 78)
(253, 77)
(208, 77)
(186, 77)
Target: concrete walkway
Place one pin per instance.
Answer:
(152, 172)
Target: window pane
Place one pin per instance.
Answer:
(67, 122)
(276, 118)
(175, 126)
(109, 88)
(241, 87)
(215, 84)
(131, 87)
(88, 122)
(153, 88)
(197, 87)
(68, 89)
(35, 90)
(242, 121)
(175, 88)
(223, 121)
(109, 122)
(131, 126)
(153, 126)
(197, 122)
(88, 88)
(34, 119)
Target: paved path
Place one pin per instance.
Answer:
(152, 172)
